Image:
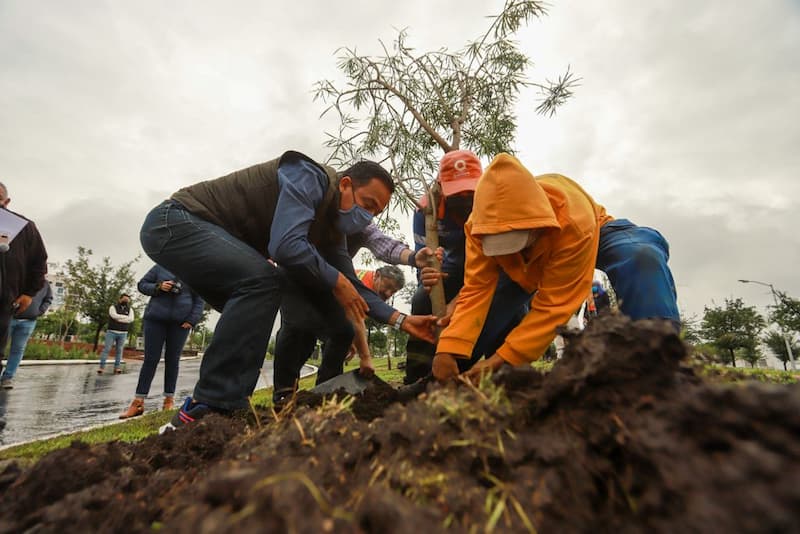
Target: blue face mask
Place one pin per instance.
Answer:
(354, 220)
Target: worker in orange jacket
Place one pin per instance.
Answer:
(548, 235)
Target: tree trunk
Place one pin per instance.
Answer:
(97, 337)
(438, 302)
(733, 358)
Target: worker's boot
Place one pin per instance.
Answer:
(134, 410)
(169, 403)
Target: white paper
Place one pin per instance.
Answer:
(10, 224)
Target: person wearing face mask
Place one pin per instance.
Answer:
(242, 240)
(458, 176)
(120, 317)
(23, 266)
(547, 235)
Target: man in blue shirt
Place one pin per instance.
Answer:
(218, 236)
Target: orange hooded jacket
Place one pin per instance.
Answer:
(559, 265)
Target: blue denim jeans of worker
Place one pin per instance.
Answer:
(232, 277)
(308, 315)
(509, 305)
(161, 336)
(19, 332)
(116, 340)
(635, 260)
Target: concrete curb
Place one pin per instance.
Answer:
(86, 362)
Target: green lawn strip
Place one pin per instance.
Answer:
(721, 373)
(140, 427)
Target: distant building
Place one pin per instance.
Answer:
(57, 284)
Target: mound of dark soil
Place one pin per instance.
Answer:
(619, 436)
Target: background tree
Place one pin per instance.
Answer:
(733, 327)
(407, 108)
(776, 343)
(786, 313)
(90, 290)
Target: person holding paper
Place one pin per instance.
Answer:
(23, 264)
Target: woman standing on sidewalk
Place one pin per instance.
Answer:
(174, 309)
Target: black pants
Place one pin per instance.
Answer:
(308, 315)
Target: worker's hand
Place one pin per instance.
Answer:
(350, 353)
(430, 276)
(186, 326)
(489, 365)
(423, 255)
(22, 303)
(420, 326)
(444, 367)
(166, 286)
(444, 320)
(354, 306)
(365, 367)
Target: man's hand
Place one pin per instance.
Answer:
(444, 320)
(366, 368)
(166, 286)
(489, 365)
(420, 326)
(444, 367)
(22, 303)
(430, 276)
(354, 306)
(350, 353)
(423, 255)
(186, 326)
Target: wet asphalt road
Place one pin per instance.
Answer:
(48, 399)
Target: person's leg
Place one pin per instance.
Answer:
(109, 340)
(176, 339)
(300, 326)
(419, 353)
(155, 334)
(635, 260)
(509, 306)
(338, 332)
(227, 273)
(20, 331)
(119, 341)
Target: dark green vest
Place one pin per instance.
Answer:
(243, 203)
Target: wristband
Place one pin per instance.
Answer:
(412, 259)
(399, 322)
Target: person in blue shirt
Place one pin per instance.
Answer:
(218, 236)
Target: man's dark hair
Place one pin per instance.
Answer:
(364, 171)
(393, 273)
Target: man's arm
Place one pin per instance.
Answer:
(148, 285)
(35, 259)
(302, 188)
(47, 300)
(378, 309)
(387, 248)
(126, 318)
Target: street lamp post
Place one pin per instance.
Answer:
(775, 298)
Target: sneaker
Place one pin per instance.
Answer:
(7, 383)
(100, 370)
(117, 371)
(190, 412)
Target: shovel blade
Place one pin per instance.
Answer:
(351, 382)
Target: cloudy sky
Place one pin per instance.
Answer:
(687, 118)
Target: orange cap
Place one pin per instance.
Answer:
(459, 171)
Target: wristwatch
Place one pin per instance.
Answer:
(412, 259)
(399, 322)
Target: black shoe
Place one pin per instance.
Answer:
(189, 413)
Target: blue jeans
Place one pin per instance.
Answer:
(113, 338)
(19, 331)
(169, 337)
(233, 278)
(635, 260)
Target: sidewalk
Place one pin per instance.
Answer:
(90, 362)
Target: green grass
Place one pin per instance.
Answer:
(722, 373)
(42, 351)
(140, 427)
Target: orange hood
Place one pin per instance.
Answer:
(509, 198)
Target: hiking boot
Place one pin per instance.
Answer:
(7, 383)
(190, 412)
(169, 403)
(134, 410)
